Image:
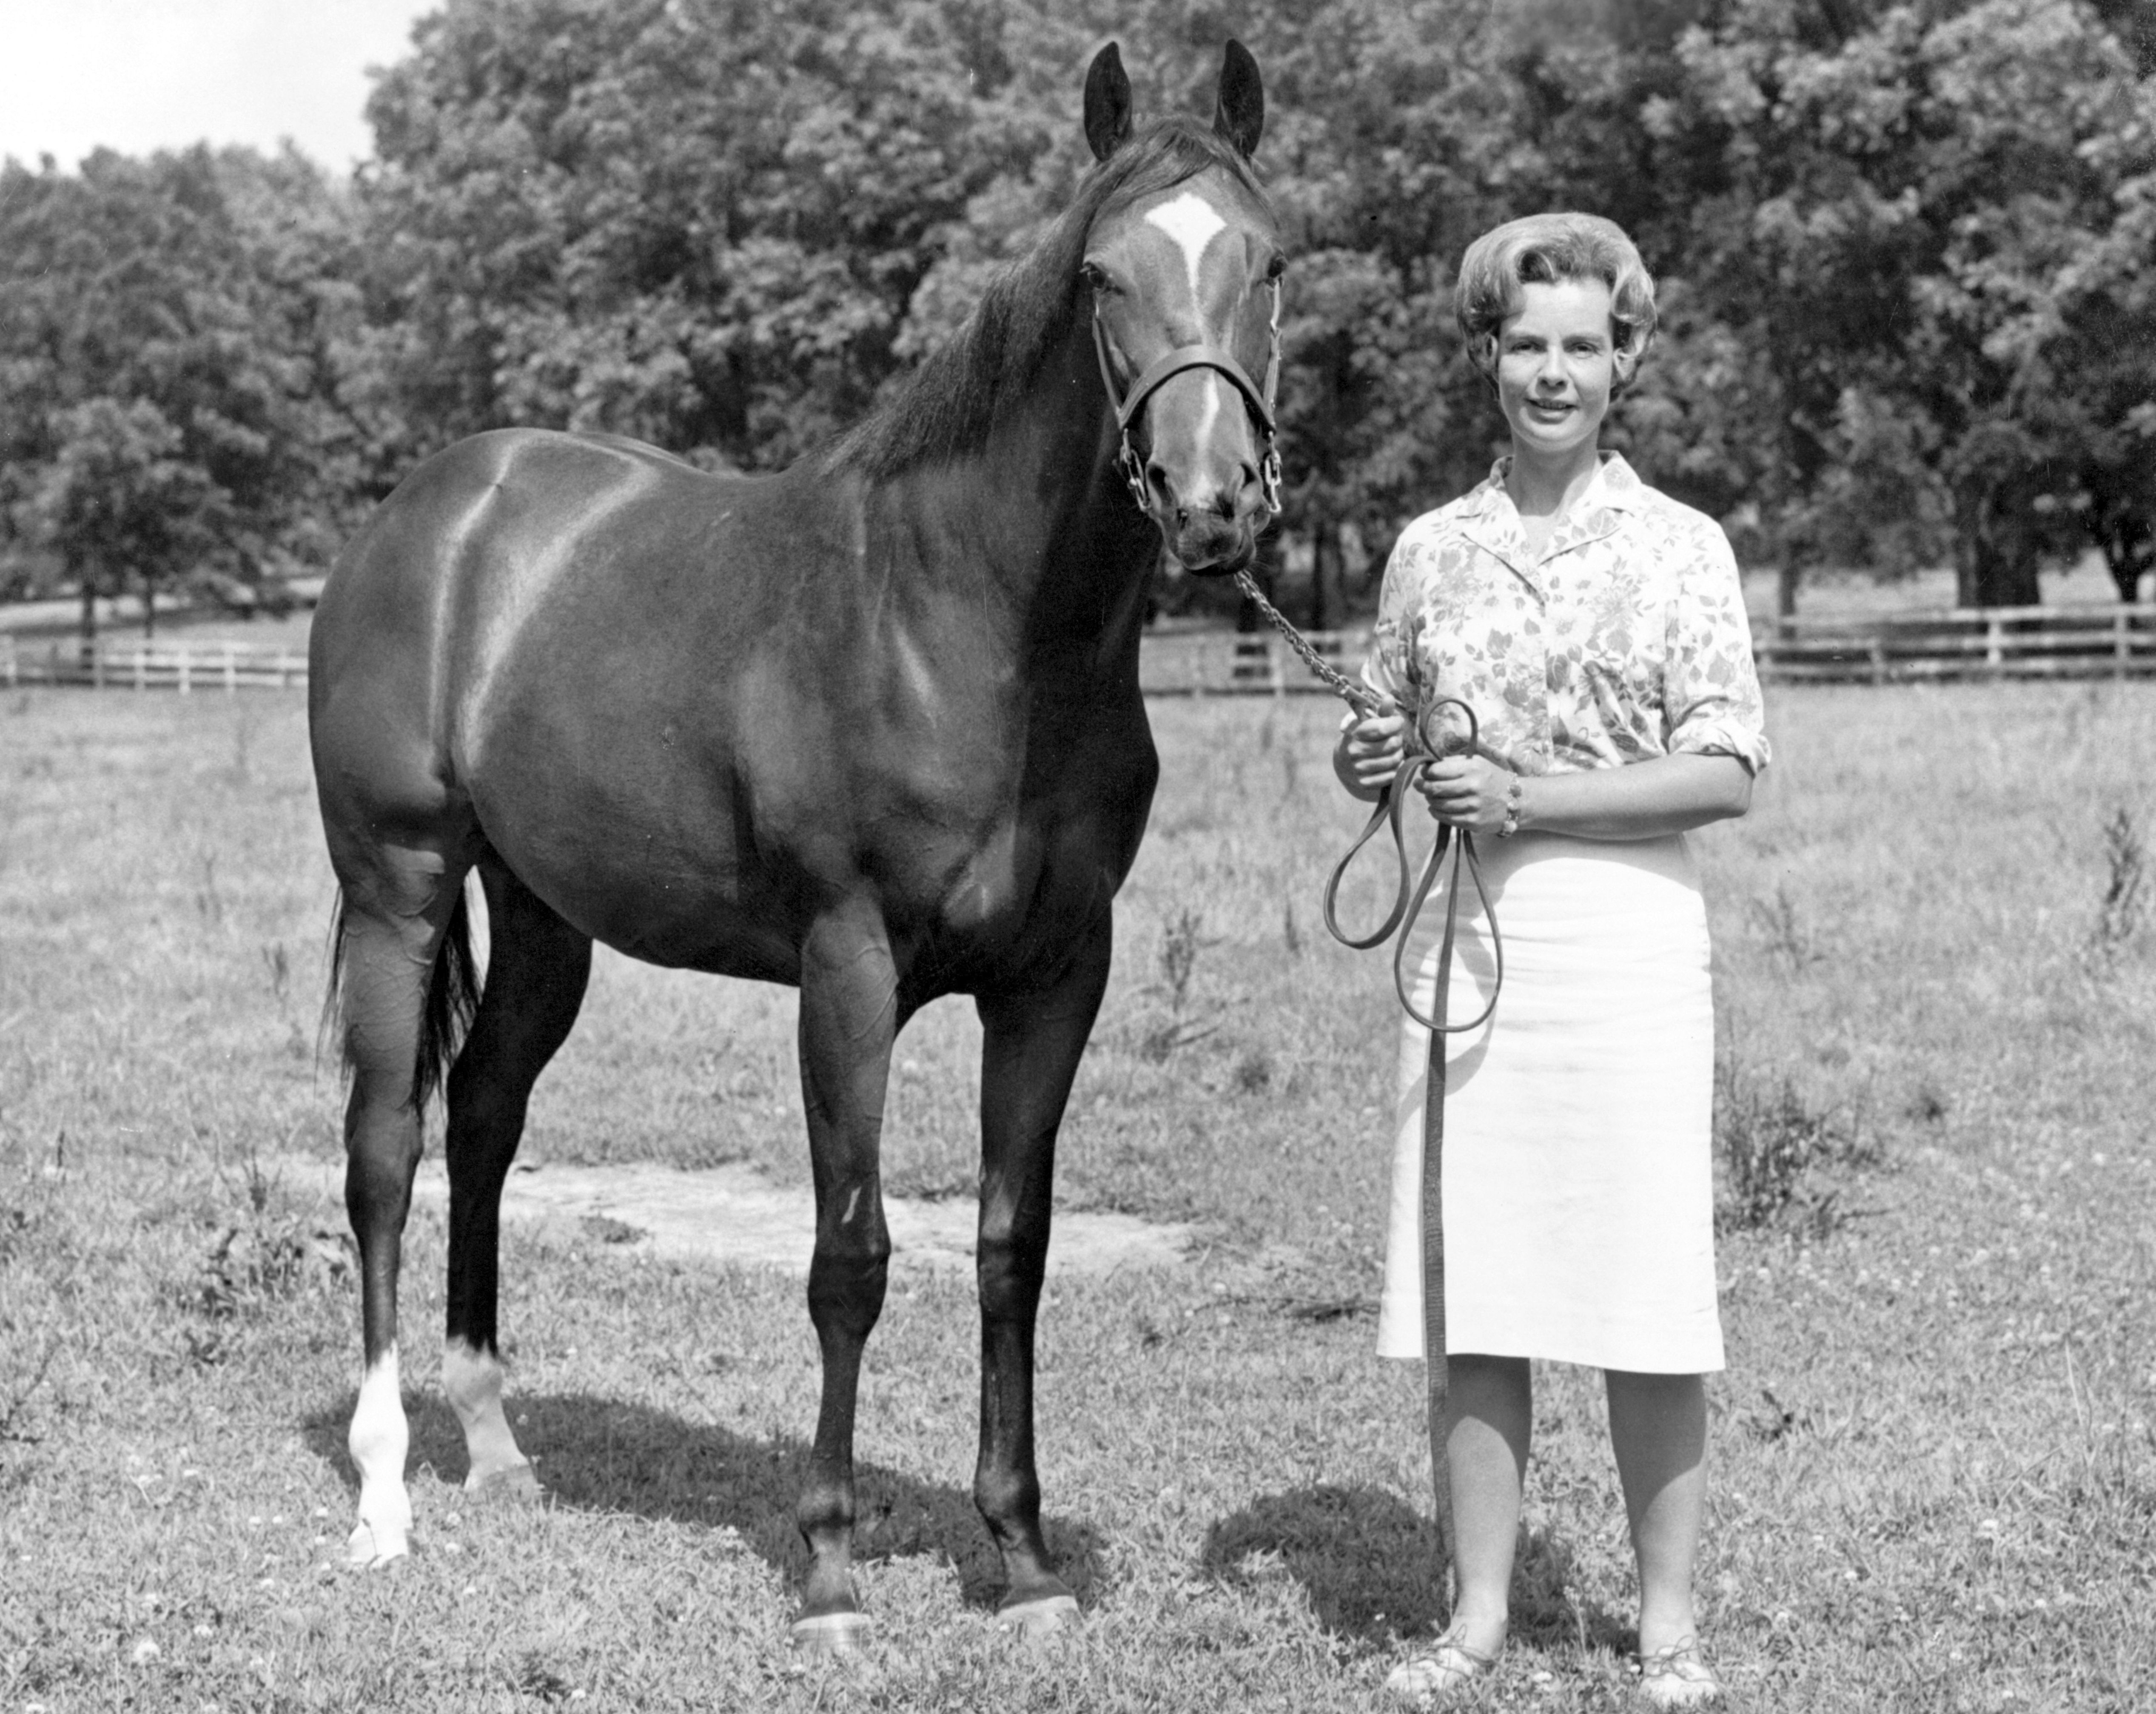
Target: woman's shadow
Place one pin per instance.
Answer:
(1369, 1565)
(600, 1454)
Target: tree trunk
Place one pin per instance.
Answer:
(86, 581)
(2129, 552)
(1994, 552)
(1786, 580)
(1327, 574)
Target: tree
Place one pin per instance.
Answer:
(699, 221)
(1917, 207)
(165, 393)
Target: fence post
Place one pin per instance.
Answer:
(185, 660)
(1994, 640)
(2119, 644)
(97, 667)
(231, 672)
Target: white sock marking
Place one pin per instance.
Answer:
(379, 1440)
(1193, 223)
(473, 1380)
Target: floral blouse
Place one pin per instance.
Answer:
(1625, 638)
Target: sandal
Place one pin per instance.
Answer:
(1445, 1672)
(1679, 1677)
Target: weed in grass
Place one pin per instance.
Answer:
(1179, 944)
(280, 971)
(1253, 1071)
(209, 901)
(1782, 931)
(2125, 894)
(1771, 1141)
(1927, 1105)
(604, 1228)
(14, 1407)
(1774, 1422)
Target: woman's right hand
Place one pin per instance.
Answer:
(1369, 752)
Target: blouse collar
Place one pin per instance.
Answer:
(1492, 521)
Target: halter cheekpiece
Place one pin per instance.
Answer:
(1221, 361)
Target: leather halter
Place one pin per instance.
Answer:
(1218, 358)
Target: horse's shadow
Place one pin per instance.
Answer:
(1369, 1565)
(601, 1456)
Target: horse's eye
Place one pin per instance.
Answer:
(1096, 277)
(1276, 267)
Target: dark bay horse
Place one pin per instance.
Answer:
(871, 726)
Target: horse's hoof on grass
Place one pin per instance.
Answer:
(830, 1634)
(519, 1481)
(367, 1549)
(1038, 1620)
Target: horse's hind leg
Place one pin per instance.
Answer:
(1029, 1052)
(537, 965)
(850, 1015)
(395, 920)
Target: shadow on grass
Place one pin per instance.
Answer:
(1369, 1565)
(1365, 1560)
(601, 1456)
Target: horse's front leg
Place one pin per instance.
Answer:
(849, 1015)
(1030, 1048)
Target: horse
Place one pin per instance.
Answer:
(869, 727)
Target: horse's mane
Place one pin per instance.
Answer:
(953, 401)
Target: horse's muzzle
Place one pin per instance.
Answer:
(1208, 544)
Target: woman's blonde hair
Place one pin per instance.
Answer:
(1544, 249)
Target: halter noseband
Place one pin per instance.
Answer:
(1217, 358)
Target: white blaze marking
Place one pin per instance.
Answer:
(378, 1442)
(1193, 223)
(473, 1380)
(1214, 387)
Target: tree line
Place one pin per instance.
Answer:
(1906, 256)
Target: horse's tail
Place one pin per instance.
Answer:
(453, 991)
(452, 1002)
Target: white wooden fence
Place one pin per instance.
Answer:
(185, 667)
(1241, 663)
(1963, 643)
(2005, 642)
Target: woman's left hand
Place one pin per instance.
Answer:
(1466, 792)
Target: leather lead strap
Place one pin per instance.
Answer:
(1435, 1364)
(1406, 907)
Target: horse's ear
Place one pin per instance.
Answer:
(1107, 103)
(1239, 113)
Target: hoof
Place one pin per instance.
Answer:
(1037, 1620)
(364, 1548)
(831, 1633)
(516, 1481)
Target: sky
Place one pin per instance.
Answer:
(138, 75)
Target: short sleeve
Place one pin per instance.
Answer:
(1389, 667)
(1711, 697)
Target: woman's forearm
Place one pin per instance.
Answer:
(1669, 794)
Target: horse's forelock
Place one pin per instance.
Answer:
(951, 403)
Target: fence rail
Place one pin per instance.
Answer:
(1993, 642)
(2005, 642)
(1240, 662)
(186, 667)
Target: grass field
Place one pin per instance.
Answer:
(1935, 1482)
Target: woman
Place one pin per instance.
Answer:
(1597, 629)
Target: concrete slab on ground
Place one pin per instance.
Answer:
(732, 1215)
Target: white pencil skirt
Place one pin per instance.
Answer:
(1579, 1176)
